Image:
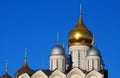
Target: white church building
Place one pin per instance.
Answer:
(84, 61)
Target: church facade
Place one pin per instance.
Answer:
(83, 61)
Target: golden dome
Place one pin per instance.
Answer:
(80, 35)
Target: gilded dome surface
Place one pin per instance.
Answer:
(80, 35)
(58, 50)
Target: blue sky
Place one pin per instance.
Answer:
(33, 24)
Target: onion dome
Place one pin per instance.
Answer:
(6, 75)
(93, 52)
(24, 69)
(80, 34)
(58, 50)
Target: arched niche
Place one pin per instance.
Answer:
(76, 73)
(57, 74)
(25, 75)
(39, 74)
(94, 74)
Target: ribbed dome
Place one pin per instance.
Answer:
(58, 50)
(93, 52)
(80, 35)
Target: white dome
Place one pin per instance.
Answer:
(58, 50)
(93, 52)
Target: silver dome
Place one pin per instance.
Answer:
(93, 52)
(58, 50)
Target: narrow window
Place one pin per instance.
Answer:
(51, 65)
(92, 64)
(57, 63)
(63, 65)
(78, 58)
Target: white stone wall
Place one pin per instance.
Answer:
(93, 63)
(39, 74)
(57, 62)
(57, 74)
(24, 75)
(74, 73)
(82, 50)
(94, 74)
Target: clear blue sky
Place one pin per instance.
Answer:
(33, 24)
